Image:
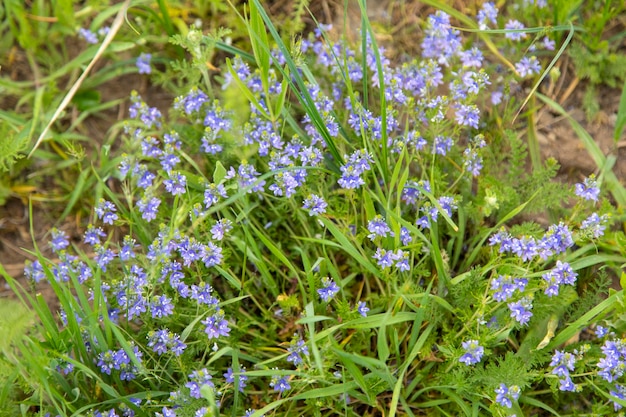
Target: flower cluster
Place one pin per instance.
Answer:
(505, 395)
(120, 361)
(162, 341)
(563, 363)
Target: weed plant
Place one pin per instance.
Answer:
(323, 231)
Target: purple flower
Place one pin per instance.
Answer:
(528, 66)
(221, 228)
(105, 210)
(362, 309)
(93, 234)
(601, 331)
(473, 352)
(515, 27)
(506, 395)
(358, 163)
(315, 204)
(487, 14)
(88, 35)
(589, 189)
(384, 257)
(329, 289)
(216, 326)
(280, 383)
(441, 145)
(166, 412)
(563, 363)
(211, 255)
(505, 287)
(162, 341)
(143, 63)
(594, 225)
(59, 240)
(148, 207)
(192, 102)
(229, 376)
(441, 42)
(520, 310)
(468, 115)
(405, 236)
(176, 183)
(296, 349)
(213, 193)
(377, 227)
(161, 306)
(196, 380)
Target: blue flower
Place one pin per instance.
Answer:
(506, 395)
(88, 35)
(148, 207)
(329, 289)
(280, 383)
(296, 349)
(487, 14)
(197, 380)
(520, 310)
(362, 308)
(161, 306)
(221, 228)
(594, 225)
(516, 33)
(473, 352)
(315, 204)
(105, 210)
(384, 257)
(229, 376)
(216, 326)
(528, 66)
(59, 240)
(176, 183)
(377, 227)
(143, 63)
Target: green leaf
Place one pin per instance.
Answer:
(219, 173)
(86, 99)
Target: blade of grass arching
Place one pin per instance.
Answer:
(442, 274)
(381, 88)
(591, 316)
(279, 254)
(298, 85)
(613, 184)
(255, 256)
(524, 399)
(545, 73)
(310, 312)
(533, 142)
(354, 372)
(115, 26)
(167, 21)
(620, 123)
(348, 247)
(459, 239)
(404, 368)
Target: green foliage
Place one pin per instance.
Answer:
(422, 286)
(13, 144)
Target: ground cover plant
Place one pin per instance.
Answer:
(319, 230)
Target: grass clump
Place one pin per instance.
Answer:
(351, 242)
